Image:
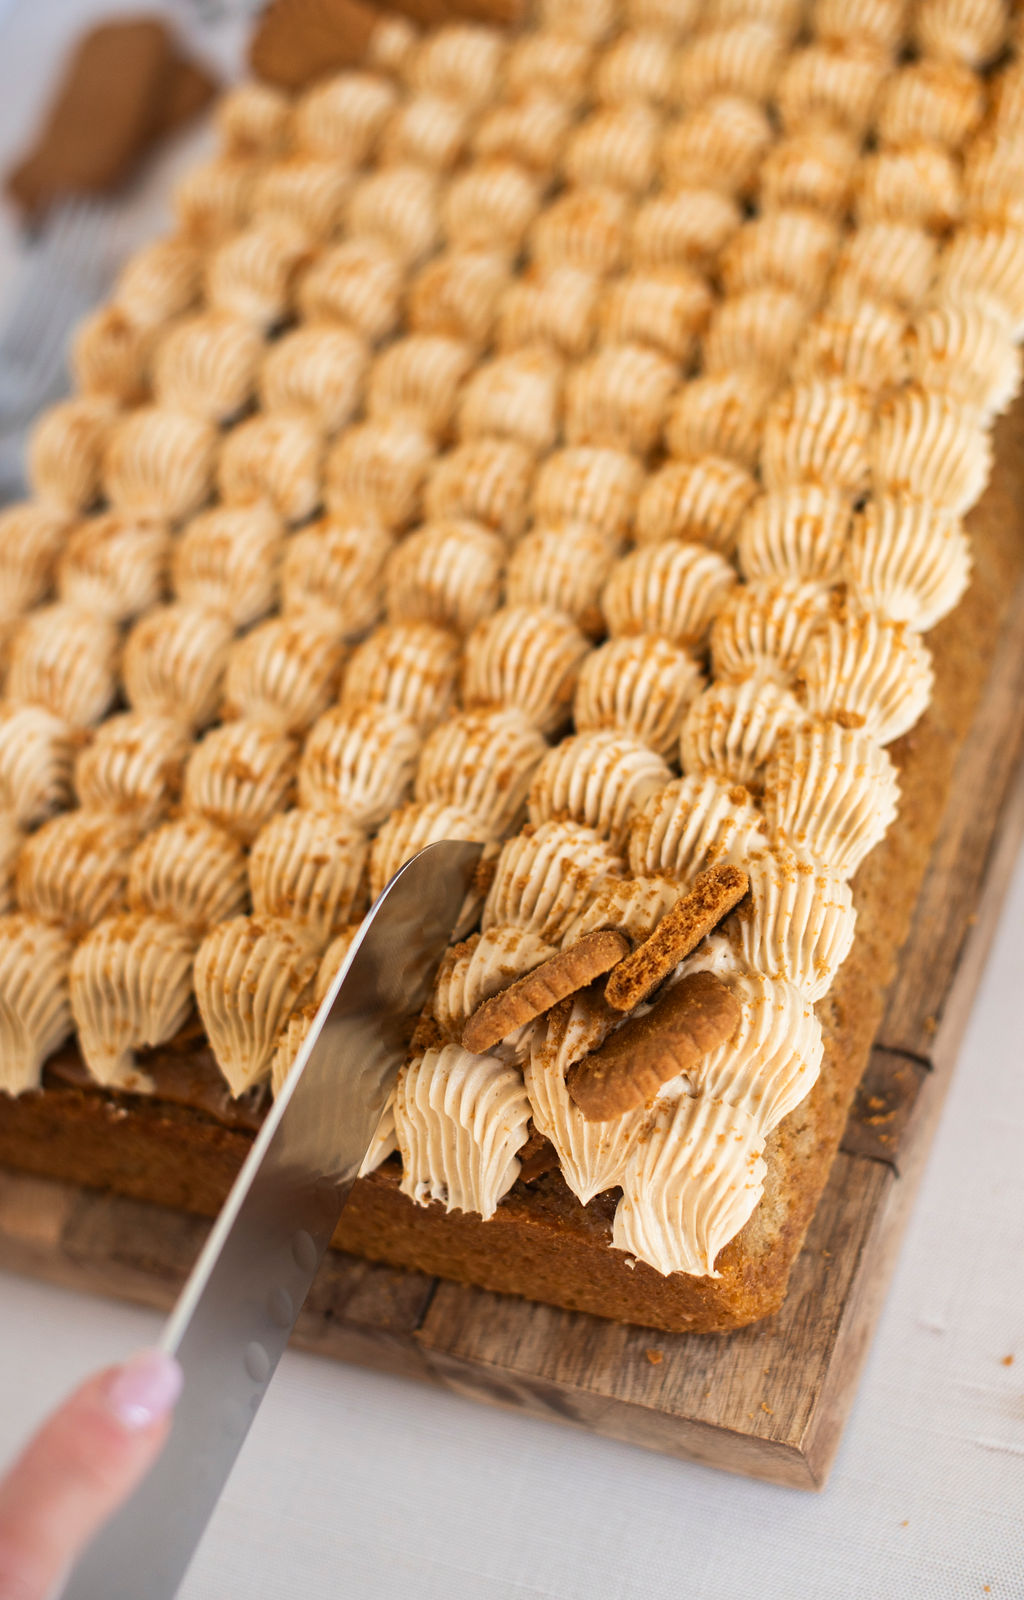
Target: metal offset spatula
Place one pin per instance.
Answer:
(237, 1310)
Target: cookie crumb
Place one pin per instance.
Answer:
(1007, 1361)
(766, 1408)
(655, 1357)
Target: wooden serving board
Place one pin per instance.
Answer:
(771, 1400)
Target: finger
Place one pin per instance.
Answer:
(84, 1461)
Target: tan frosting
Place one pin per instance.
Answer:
(131, 987)
(491, 203)
(696, 500)
(447, 573)
(564, 568)
(411, 667)
(799, 922)
(189, 870)
(461, 61)
(833, 82)
(253, 119)
(487, 962)
(249, 975)
(755, 328)
(332, 959)
(286, 1050)
(11, 840)
(879, 671)
(549, 59)
(718, 144)
(135, 763)
(482, 762)
(985, 258)
(618, 396)
(546, 875)
(861, 340)
(207, 365)
(276, 460)
(908, 560)
(765, 626)
(967, 31)
(337, 566)
(583, 228)
(930, 99)
(665, 308)
(309, 191)
(964, 350)
(376, 471)
(159, 282)
(284, 672)
(831, 791)
(741, 57)
(65, 659)
(811, 166)
(790, 249)
(429, 129)
(530, 131)
(110, 356)
(410, 829)
(772, 1060)
(239, 775)
(35, 1011)
(929, 446)
(591, 1155)
(65, 452)
(689, 1184)
(343, 115)
(640, 685)
(693, 822)
(419, 377)
(459, 1120)
(253, 276)
(716, 954)
(886, 261)
(397, 207)
(796, 532)
(174, 662)
(614, 145)
(730, 730)
(634, 904)
(213, 200)
(458, 294)
(227, 560)
(527, 657)
(682, 228)
(75, 868)
(391, 45)
(31, 538)
(159, 462)
(818, 432)
(115, 565)
(588, 485)
(599, 779)
(309, 866)
(514, 396)
(720, 414)
(360, 761)
(673, 589)
(357, 282)
(636, 66)
(917, 182)
(484, 479)
(991, 179)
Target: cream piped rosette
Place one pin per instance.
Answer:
(419, 377)
(813, 167)
(614, 145)
(357, 282)
(545, 876)
(703, 501)
(309, 867)
(484, 480)
(917, 182)
(554, 307)
(674, 589)
(599, 779)
(731, 729)
(632, 905)
(798, 532)
(592, 486)
(411, 828)
(718, 144)
(860, 340)
(254, 119)
(799, 922)
(398, 206)
(930, 99)
(865, 669)
(664, 308)
(457, 294)
(429, 129)
(250, 974)
(764, 626)
(306, 190)
(585, 228)
(239, 775)
(564, 569)
(375, 471)
(66, 450)
(984, 258)
(720, 414)
(35, 1010)
(967, 31)
(161, 281)
(908, 559)
(115, 565)
(742, 57)
(474, 970)
(791, 248)
(74, 869)
(618, 396)
(693, 822)
(134, 763)
(591, 1155)
(337, 566)
(254, 275)
(772, 1060)
(553, 59)
(227, 560)
(459, 1121)
(131, 988)
(32, 535)
(37, 756)
(681, 228)
(344, 115)
(928, 446)
(410, 667)
(527, 657)
(636, 66)
(641, 685)
(174, 662)
(514, 396)
(110, 356)
(360, 760)
(492, 203)
(214, 200)
(964, 349)
(482, 762)
(316, 371)
(11, 840)
(447, 573)
(64, 659)
(832, 81)
(273, 459)
(818, 432)
(189, 870)
(757, 327)
(530, 131)
(831, 791)
(462, 61)
(284, 672)
(206, 365)
(886, 261)
(159, 462)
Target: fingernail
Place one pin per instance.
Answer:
(144, 1390)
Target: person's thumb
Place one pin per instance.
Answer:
(85, 1460)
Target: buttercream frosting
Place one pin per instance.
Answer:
(316, 371)
(253, 119)
(487, 480)
(35, 1009)
(586, 484)
(250, 974)
(860, 340)
(618, 396)
(239, 775)
(360, 760)
(583, 228)
(459, 292)
(930, 446)
(720, 414)
(337, 565)
(253, 275)
(275, 459)
(398, 207)
(686, 227)
(206, 365)
(527, 657)
(64, 658)
(546, 875)
(357, 282)
(701, 500)
(213, 200)
(227, 560)
(115, 565)
(764, 625)
(796, 532)
(641, 685)
(411, 667)
(665, 308)
(285, 671)
(411, 829)
(799, 921)
(376, 471)
(818, 432)
(693, 822)
(564, 568)
(831, 791)
(731, 728)
(447, 573)
(174, 662)
(674, 589)
(65, 452)
(429, 129)
(159, 462)
(482, 762)
(634, 905)
(159, 282)
(718, 144)
(930, 99)
(861, 666)
(309, 866)
(492, 202)
(74, 869)
(131, 987)
(756, 328)
(344, 115)
(110, 356)
(909, 560)
(554, 306)
(771, 1062)
(963, 349)
(31, 538)
(307, 190)
(134, 763)
(516, 395)
(599, 779)
(614, 145)
(481, 966)
(419, 377)
(189, 870)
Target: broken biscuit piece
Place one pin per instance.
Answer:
(712, 896)
(685, 1025)
(530, 996)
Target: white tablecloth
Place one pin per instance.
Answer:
(355, 1485)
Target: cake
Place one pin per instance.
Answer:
(561, 440)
